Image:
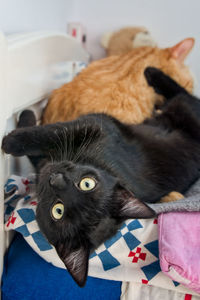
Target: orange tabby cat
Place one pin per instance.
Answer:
(116, 85)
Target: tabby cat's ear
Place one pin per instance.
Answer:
(131, 207)
(76, 262)
(181, 50)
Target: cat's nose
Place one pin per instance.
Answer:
(57, 181)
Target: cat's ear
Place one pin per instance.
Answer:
(76, 262)
(181, 50)
(131, 207)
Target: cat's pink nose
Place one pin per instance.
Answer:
(57, 181)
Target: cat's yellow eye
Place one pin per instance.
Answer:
(87, 184)
(57, 211)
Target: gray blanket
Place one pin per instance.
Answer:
(191, 202)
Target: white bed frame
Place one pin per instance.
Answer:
(27, 75)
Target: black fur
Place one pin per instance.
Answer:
(131, 165)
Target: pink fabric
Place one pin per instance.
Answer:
(179, 247)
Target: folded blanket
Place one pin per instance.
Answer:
(130, 255)
(179, 247)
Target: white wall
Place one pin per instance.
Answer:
(29, 15)
(169, 21)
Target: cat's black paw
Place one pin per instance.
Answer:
(26, 119)
(162, 83)
(13, 143)
(152, 75)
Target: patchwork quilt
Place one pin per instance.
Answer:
(131, 255)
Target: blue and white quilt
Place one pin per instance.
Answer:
(131, 255)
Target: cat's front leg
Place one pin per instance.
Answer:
(34, 141)
(47, 140)
(173, 92)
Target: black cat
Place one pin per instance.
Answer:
(95, 172)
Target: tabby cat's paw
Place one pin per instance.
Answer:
(173, 196)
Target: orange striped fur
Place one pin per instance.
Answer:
(116, 85)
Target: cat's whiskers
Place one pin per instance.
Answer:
(73, 149)
(81, 147)
(84, 146)
(51, 157)
(65, 137)
(64, 150)
(69, 145)
(59, 147)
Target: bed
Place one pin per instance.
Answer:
(32, 65)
